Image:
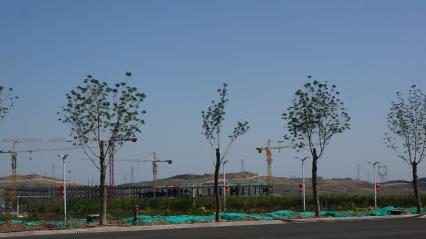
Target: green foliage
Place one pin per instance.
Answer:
(96, 108)
(7, 101)
(213, 118)
(407, 126)
(97, 112)
(316, 114)
(80, 207)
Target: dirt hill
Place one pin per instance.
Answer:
(33, 180)
(284, 185)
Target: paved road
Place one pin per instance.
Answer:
(407, 228)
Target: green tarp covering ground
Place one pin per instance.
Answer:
(386, 211)
(277, 215)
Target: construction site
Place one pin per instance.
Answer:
(16, 190)
(212, 119)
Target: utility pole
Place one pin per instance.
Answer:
(224, 186)
(63, 157)
(374, 176)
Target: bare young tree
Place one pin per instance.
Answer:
(314, 117)
(103, 115)
(407, 132)
(7, 101)
(212, 129)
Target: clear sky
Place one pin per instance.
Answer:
(180, 52)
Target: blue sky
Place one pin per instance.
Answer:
(180, 52)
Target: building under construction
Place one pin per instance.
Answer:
(130, 191)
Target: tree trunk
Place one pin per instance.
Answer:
(416, 188)
(216, 186)
(315, 183)
(102, 187)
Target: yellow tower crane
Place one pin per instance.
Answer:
(154, 162)
(268, 149)
(14, 155)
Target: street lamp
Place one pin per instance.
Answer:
(375, 184)
(63, 157)
(303, 181)
(224, 186)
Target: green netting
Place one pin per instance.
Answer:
(277, 215)
(287, 214)
(13, 222)
(333, 214)
(186, 219)
(260, 217)
(306, 214)
(413, 210)
(191, 219)
(32, 223)
(386, 211)
(282, 214)
(238, 216)
(60, 224)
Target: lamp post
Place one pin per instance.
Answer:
(63, 157)
(224, 186)
(303, 182)
(374, 176)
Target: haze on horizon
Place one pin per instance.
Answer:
(181, 52)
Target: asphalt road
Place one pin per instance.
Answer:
(406, 228)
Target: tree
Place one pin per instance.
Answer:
(314, 117)
(7, 101)
(212, 129)
(407, 132)
(105, 116)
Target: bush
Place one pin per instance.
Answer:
(80, 207)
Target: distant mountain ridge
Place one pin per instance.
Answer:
(282, 185)
(32, 180)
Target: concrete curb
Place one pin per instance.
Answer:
(333, 219)
(193, 225)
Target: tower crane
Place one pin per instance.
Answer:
(268, 149)
(14, 155)
(154, 162)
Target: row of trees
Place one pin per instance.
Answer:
(316, 114)
(103, 116)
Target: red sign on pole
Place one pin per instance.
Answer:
(300, 187)
(62, 191)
